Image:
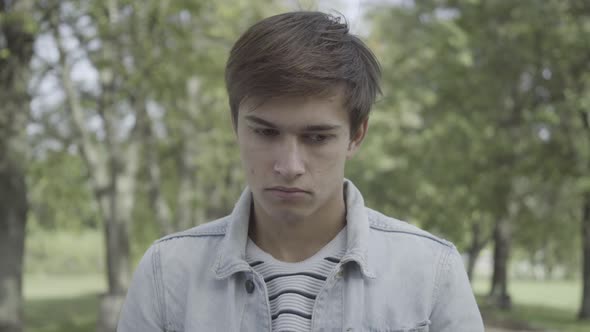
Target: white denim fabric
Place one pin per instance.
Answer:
(394, 277)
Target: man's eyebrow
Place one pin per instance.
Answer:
(323, 127)
(260, 121)
(319, 127)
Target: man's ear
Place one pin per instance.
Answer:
(357, 138)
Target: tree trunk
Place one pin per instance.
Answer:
(471, 262)
(188, 211)
(548, 262)
(117, 203)
(499, 291)
(477, 244)
(113, 167)
(117, 215)
(158, 202)
(584, 313)
(13, 216)
(118, 261)
(16, 39)
(585, 306)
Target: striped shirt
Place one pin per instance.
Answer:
(293, 287)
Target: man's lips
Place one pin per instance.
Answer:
(288, 189)
(287, 193)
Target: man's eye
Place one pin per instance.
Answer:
(317, 138)
(267, 132)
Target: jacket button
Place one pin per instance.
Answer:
(249, 286)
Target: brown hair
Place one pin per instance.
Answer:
(301, 54)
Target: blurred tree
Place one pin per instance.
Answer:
(17, 33)
(59, 196)
(113, 159)
(191, 135)
(485, 99)
(144, 103)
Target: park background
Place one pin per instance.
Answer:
(115, 130)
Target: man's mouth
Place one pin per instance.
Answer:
(288, 193)
(288, 189)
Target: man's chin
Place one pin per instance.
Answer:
(288, 215)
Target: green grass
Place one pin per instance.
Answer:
(64, 252)
(71, 314)
(62, 303)
(537, 317)
(38, 287)
(547, 305)
(554, 293)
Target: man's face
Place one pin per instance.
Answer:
(293, 151)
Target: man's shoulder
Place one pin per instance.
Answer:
(185, 250)
(216, 228)
(388, 226)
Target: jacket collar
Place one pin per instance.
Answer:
(232, 255)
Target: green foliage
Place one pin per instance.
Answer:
(480, 117)
(63, 252)
(59, 196)
(480, 120)
(169, 58)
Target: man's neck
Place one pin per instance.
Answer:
(298, 240)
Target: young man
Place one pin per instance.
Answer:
(300, 251)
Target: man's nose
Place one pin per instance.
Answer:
(289, 161)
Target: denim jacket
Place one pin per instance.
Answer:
(393, 277)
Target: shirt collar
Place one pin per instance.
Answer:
(232, 255)
(357, 223)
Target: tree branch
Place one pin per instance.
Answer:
(89, 150)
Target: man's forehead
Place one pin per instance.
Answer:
(335, 94)
(297, 113)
